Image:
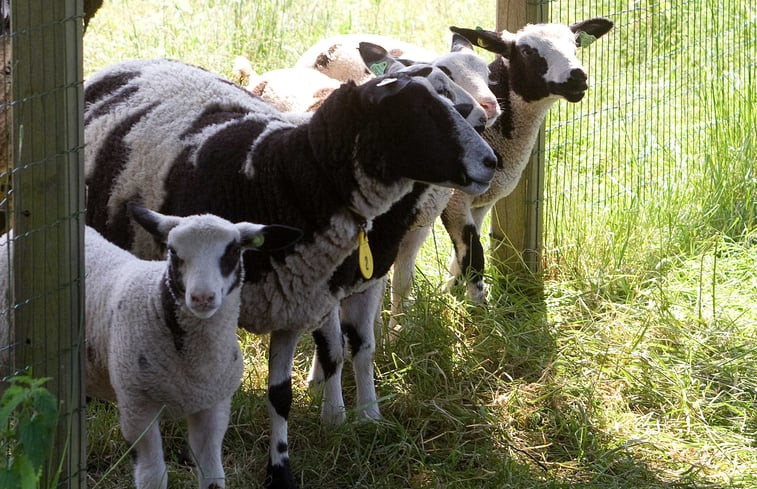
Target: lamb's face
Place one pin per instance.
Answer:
(205, 253)
(545, 55)
(471, 73)
(204, 263)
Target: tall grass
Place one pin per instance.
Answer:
(631, 365)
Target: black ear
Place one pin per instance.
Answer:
(377, 59)
(153, 222)
(489, 40)
(459, 43)
(271, 237)
(589, 30)
(379, 89)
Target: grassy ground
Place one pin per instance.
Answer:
(631, 365)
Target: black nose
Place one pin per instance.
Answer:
(577, 75)
(490, 162)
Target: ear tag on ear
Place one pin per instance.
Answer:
(364, 256)
(386, 81)
(378, 69)
(258, 241)
(585, 39)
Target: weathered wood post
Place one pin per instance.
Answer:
(48, 217)
(516, 220)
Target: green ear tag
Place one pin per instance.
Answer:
(258, 241)
(364, 256)
(378, 69)
(585, 39)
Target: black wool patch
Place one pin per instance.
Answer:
(110, 162)
(280, 476)
(353, 338)
(473, 261)
(169, 316)
(324, 354)
(281, 397)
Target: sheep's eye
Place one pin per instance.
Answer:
(174, 256)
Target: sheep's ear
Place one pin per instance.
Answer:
(489, 40)
(589, 30)
(377, 59)
(376, 91)
(153, 222)
(267, 238)
(460, 43)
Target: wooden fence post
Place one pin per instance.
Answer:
(48, 218)
(516, 220)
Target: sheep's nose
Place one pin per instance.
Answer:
(578, 75)
(490, 162)
(206, 298)
(491, 107)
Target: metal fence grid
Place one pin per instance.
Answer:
(646, 124)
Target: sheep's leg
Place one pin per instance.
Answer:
(475, 275)
(468, 260)
(141, 428)
(206, 430)
(280, 358)
(359, 313)
(328, 363)
(404, 272)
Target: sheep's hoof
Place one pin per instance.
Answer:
(477, 293)
(332, 415)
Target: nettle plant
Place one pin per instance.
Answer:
(28, 419)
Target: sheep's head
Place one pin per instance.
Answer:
(205, 253)
(541, 58)
(380, 63)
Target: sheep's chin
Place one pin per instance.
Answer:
(202, 313)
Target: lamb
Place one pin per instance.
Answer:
(161, 335)
(185, 141)
(303, 87)
(535, 67)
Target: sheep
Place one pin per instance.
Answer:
(303, 87)
(161, 335)
(535, 67)
(185, 141)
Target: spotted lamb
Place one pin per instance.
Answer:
(535, 67)
(185, 141)
(161, 335)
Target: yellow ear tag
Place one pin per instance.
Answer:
(364, 255)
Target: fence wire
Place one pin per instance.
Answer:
(669, 75)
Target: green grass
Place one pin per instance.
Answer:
(631, 365)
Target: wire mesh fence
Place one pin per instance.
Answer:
(673, 78)
(42, 202)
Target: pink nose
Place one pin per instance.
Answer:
(491, 107)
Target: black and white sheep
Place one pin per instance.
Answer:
(161, 335)
(185, 141)
(316, 74)
(535, 67)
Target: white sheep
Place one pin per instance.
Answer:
(335, 60)
(161, 335)
(185, 141)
